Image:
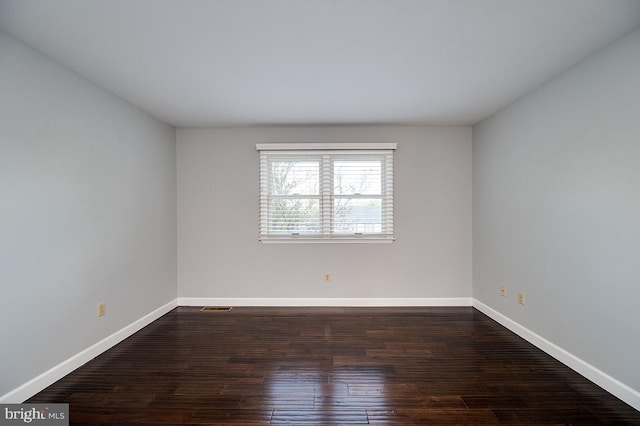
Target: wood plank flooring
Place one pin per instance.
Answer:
(326, 366)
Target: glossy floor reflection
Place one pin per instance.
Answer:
(325, 366)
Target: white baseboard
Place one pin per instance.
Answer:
(54, 374)
(333, 302)
(602, 379)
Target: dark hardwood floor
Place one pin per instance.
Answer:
(393, 366)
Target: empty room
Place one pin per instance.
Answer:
(249, 212)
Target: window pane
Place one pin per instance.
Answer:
(360, 215)
(289, 177)
(317, 193)
(290, 216)
(357, 177)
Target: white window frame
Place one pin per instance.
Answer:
(326, 154)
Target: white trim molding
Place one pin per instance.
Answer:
(597, 376)
(54, 374)
(325, 146)
(341, 240)
(330, 302)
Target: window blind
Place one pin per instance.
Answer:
(326, 192)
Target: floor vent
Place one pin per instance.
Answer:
(215, 309)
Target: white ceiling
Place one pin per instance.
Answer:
(262, 62)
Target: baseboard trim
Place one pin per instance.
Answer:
(330, 302)
(37, 384)
(599, 377)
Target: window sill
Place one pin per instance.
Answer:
(345, 240)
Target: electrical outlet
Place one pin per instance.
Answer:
(327, 277)
(503, 291)
(102, 309)
(521, 297)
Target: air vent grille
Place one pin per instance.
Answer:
(215, 309)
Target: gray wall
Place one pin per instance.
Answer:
(556, 202)
(219, 254)
(87, 189)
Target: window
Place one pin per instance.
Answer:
(326, 192)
